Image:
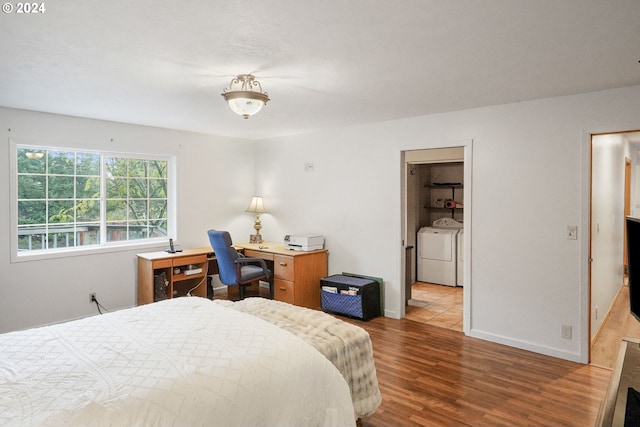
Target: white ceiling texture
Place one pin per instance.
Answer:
(326, 63)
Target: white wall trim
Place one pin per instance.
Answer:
(468, 259)
(584, 232)
(400, 271)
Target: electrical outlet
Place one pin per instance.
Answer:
(92, 297)
(566, 331)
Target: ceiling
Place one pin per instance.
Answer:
(326, 63)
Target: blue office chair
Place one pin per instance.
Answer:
(235, 268)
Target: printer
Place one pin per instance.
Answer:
(303, 242)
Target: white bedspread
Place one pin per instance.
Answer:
(179, 362)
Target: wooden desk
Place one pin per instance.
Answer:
(296, 275)
(153, 263)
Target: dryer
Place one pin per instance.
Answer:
(437, 255)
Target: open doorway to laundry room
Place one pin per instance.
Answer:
(434, 236)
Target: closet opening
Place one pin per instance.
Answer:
(434, 236)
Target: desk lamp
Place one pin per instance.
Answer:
(256, 206)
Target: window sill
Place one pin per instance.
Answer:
(75, 252)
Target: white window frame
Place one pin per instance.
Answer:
(103, 246)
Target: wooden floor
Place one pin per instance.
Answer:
(431, 376)
(442, 306)
(619, 323)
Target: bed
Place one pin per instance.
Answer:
(181, 362)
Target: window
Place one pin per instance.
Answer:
(71, 199)
(136, 198)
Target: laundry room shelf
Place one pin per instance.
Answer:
(440, 183)
(440, 188)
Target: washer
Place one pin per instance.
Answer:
(460, 274)
(437, 261)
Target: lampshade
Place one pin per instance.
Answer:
(245, 96)
(256, 205)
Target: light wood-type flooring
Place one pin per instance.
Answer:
(442, 306)
(436, 305)
(431, 376)
(618, 324)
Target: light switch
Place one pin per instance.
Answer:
(572, 232)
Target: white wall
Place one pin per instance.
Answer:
(528, 173)
(215, 185)
(607, 223)
(530, 179)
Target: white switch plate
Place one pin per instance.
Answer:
(572, 232)
(566, 332)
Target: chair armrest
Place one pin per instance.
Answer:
(243, 260)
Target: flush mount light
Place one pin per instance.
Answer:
(245, 96)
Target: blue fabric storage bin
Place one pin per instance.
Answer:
(344, 304)
(365, 304)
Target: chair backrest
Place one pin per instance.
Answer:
(225, 256)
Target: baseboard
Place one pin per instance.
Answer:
(219, 289)
(391, 314)
(606, 316)
(601, 327)
(526, 345)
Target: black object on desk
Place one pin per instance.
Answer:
(172, 249)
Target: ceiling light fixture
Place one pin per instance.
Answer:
(245, 96)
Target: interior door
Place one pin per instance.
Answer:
(627, 207)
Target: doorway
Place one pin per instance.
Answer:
(614, 185)
(435, 187)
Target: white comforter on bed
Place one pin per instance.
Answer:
(179, 362)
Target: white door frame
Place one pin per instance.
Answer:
(402, 232)
(585, 233)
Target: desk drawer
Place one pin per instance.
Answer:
(283, 266)
(186, 260)
(162, 263)
(258, 254)
(283, 290)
